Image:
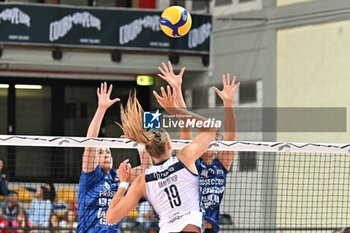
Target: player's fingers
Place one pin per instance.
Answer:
(163, 92)
(169, 91)
(115, 100)
(157, 96)
(162, 77)
(162, 71)
(182, 71)
(217, 91)
(233, 81)
(237, 86)
(165, 67)
(104, 88)
(110, 89)
(170, 67)
(125, 161)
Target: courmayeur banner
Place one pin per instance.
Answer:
(92, 27)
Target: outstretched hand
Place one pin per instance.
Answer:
(103, 95)
(229, 89)
(168, 75)
(167, 100)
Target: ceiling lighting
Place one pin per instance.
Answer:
(24, 86)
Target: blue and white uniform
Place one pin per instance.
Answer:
(212, 182)
(96, 190)
(173, 191)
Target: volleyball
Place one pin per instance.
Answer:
(175, 21)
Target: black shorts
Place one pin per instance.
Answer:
(184, 232)
(188, 232)
(209, 230)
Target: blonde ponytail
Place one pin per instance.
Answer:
(154, 140)
(131, 118)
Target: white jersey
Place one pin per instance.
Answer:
(173, 191)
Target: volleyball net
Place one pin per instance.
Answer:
(271, 186)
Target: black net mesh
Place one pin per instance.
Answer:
(265, 192)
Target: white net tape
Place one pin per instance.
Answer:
(48, 141)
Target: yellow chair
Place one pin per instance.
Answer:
(132, 214)
(66, 194)
(23, 194)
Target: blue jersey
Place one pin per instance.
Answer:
(212, 182)
(96, 190)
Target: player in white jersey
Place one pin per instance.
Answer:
(171, 185)
(174, 181)
(212, 166)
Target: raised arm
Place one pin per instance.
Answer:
(90, 158)
(175, 81)
(189, 154)
(121, 205)
(227, 96)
